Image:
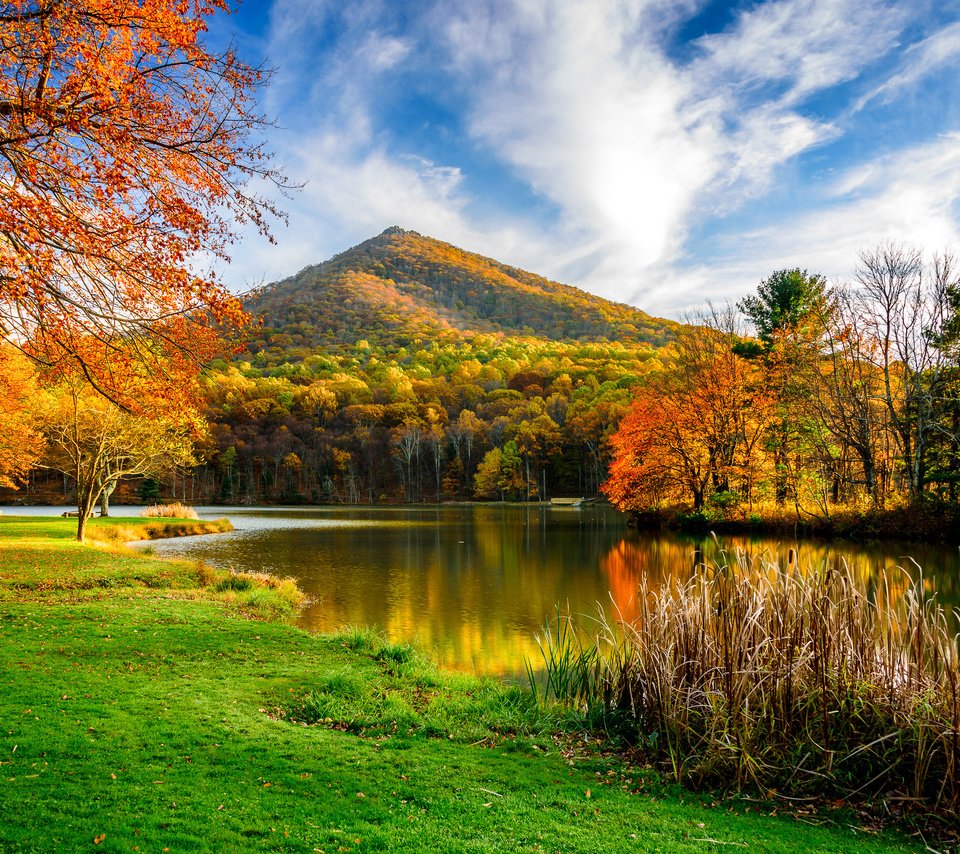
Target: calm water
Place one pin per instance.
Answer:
(475, 584)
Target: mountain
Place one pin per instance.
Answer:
(400, 289)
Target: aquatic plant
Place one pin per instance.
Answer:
(760, 676)
(175, 510)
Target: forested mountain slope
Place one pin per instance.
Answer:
(400, 288)
(406, 369)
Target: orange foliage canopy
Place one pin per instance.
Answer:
(642, 466)
(694, 431)
(125, 148)
(20, 440)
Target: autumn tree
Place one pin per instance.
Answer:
(903, 306)
(126, 150)
(649, 465)
(407, 443)
(20, 439)
(537, 439)
(694, 431)
(787, 312)
(486, 482)
(96, 443)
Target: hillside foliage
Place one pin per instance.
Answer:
(402, 368)
(849, 397)
(401, 289)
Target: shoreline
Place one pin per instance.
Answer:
(929, 523)
(151, 709)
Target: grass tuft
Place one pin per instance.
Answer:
(258, 594)
(175, 510)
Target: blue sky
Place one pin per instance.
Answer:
(656, 152)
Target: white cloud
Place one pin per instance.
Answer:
(584, 104)
(381, 53)
(909, 198)
(630, 148)
(804, 45)
(590, 116)
(919, 61)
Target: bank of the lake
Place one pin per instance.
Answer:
(924, 522)
(145, 710)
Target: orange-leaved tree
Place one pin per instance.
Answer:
(20, 440)
(695, 431)
(127, 148)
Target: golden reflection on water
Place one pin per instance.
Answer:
(475, 584)
(885, 569)
(476, 593)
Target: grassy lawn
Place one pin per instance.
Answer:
(143, 708)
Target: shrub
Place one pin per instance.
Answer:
(260, 594)
(724, 502)
(234, 581)
(205, 573)
(169, 511)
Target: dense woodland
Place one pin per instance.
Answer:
(488, 418)
(849, 397)
(408, 370)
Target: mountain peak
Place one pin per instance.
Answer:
(402, 288)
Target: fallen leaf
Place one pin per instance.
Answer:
(98, 839)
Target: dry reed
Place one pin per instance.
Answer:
(175, 510)
(774, 679)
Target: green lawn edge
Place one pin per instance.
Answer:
(145, 707)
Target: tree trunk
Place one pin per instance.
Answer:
(86, 501)
(697, 499)
(105, 494)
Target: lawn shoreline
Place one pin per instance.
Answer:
(148, 710)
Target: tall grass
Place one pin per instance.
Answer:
(174, 510)
(767, 677)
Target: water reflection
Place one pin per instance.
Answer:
(474, 584)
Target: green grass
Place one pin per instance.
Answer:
(153, 717)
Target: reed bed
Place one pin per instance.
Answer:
(803, 684)
(175, 510)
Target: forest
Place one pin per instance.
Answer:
(446, 376)
(847, 397)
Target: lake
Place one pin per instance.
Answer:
(474, 584)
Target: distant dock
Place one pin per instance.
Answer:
(566, 502)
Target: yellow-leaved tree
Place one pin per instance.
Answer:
(96, 443)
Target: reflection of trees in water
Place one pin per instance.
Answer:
(659, 558)
(476, 584)
(472, 585)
